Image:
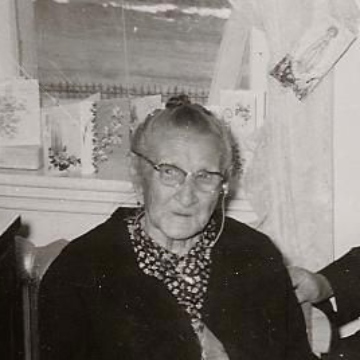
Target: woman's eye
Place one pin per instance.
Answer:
(204, 176)
(169, 171)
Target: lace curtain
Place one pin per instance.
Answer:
(289, 180)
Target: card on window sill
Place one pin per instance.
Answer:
(68, 137)
(20, 112)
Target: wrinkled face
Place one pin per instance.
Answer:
(179, 213)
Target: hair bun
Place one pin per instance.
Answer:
(177, 100)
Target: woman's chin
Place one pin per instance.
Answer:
(182, 228)
(179, 233)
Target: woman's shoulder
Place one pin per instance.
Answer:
(114, 227)
(243, 238)
(236, 228)
(97, 246)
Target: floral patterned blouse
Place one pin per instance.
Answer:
(186, 276)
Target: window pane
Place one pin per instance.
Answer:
(144, 45)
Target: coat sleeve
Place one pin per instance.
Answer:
(344, 277)
(255, 313)
(288, 328)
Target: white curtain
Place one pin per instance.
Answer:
(289, 180)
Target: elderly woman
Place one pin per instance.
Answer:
(174, 278)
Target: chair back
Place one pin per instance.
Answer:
(34, 261)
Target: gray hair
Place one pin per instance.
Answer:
(180, 114)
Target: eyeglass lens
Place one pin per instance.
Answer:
(171, 175)
(206, 181)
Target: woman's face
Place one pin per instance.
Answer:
(179, 213)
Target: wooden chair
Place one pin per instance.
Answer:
(33, 261)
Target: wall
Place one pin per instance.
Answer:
(8, 43)
(347, 157)
(347, 151)
(65, 207)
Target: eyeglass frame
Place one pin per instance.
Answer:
(186, 174)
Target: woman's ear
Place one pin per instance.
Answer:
(225, 189)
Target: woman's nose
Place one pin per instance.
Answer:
(187, 192)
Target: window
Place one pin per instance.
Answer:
(137, 46)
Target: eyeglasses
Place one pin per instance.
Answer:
(173, 176)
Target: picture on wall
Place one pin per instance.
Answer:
(315, 54)
(243, 110)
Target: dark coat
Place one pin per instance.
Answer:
(95, 303)
(344, 277)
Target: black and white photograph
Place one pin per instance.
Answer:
(179, 179)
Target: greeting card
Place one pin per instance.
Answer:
(115, 119)
(68, 137)
(93, 135)
(141, 107)
(20, 113)
(243, 110)
(111, 138)
(315, 54)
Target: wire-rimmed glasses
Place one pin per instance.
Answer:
(173, 176)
